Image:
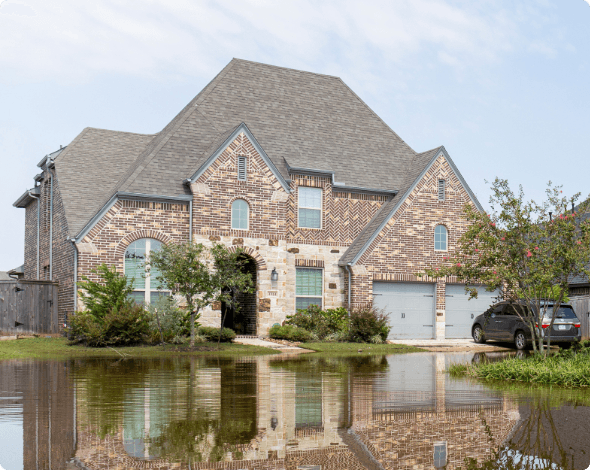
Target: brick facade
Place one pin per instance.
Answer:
(273, 239)
(57, 263)
(405, 245)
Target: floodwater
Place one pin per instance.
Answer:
(308, 412)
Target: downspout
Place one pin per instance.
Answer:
(51, 230)
(38, 228)
(75, 272)
(190, 221)
(349, 269)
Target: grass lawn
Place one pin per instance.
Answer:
(569, 369)
(58, 348)
(353, 348)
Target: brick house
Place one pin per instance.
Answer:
(330, 205)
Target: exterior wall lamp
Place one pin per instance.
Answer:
(274, 275)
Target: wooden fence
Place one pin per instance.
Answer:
(28, 307)
(581, 306)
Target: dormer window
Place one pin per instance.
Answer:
(441, 190)
(242, 168)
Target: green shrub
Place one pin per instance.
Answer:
(290, 333)
(212, 334)
(167, 322)
(120, 327)
(366, 323)
(322, 323)
(112, 291)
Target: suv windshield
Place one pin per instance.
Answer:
(564, 312)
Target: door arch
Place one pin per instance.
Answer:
(243, 320)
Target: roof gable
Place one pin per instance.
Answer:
(231, 136)
(416, 172)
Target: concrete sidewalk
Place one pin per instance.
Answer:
(454, 345)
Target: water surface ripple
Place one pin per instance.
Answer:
(309, 412)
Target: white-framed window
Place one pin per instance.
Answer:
(310, 207)
(240, 214)
(441, 190)
(440, 238)
(309, 284)
(145, 286)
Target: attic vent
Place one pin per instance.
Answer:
(242, 168)
(441, 190)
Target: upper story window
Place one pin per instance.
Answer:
(441, 190)
(242, 173)
(310, 207)
(440, 238)
(145, 286)
(239, 215)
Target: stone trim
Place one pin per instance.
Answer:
(137, 235)
(309, 263)
(260, 261)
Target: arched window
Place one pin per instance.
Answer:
(145, 286)
(239, 215)
(440, 238)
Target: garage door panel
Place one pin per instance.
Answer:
(460, 311)
(410, 307)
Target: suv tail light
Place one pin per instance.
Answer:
(577, 325)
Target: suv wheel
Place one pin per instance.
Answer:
(478, 334)
(520, 340)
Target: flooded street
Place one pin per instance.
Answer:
(309, 412)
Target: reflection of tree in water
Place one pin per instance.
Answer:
(535, 443)
(202, 436)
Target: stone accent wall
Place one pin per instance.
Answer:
(405, 245)
(275, 302)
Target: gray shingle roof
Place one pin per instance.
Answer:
(300, 119)
(304, 118)
(5, 277)
(89, 168)
(418, 165)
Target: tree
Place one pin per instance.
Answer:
(528, 251)
(199, 274)
(112, 292)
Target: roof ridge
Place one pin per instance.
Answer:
(120, 132)
(283, 68)
(168, 131)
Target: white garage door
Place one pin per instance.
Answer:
(460, 311)
(410, 307)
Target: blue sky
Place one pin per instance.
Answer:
(504, 85)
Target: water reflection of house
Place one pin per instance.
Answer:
(293, 416)
(43, 392)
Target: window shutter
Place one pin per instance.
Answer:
(242, 168)
(441, 190)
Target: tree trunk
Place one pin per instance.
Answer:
(192, 343)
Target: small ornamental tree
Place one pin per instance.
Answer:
(528, 251)
(199, 274)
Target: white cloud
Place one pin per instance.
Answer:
(73, 40)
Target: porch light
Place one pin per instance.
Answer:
(274, 276)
